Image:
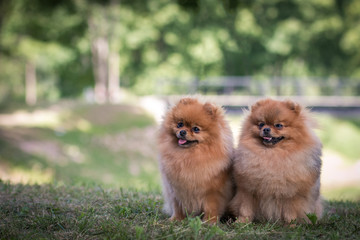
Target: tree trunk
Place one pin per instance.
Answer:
(114, 78)
(30, 84)
(100, 54)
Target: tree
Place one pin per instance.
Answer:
(78, 44)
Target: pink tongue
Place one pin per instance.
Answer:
(182, 141)
(267, 138)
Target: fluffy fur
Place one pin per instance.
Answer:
(277, 164)
(196, 146)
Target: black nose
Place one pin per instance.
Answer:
(183, 133)
(266, 130)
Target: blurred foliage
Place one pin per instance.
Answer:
(181, 40)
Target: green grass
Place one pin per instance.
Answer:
(115, 146)
(112, 145)
(342, 193)
(91, 172)
(341, 135)
(68, 212)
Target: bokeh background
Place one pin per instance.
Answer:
(84, 84)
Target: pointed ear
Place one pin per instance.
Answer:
(257, 104)
(187, 101)
(293, 106)
(211, 109)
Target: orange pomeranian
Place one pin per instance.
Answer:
(277, 165)
(196, 146)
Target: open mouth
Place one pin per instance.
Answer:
(186, 143)
(268, 140)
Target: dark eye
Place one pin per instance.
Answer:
(180, 125)
(261, 125)
(196, 129)
(279, 126)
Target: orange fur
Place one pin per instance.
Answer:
(278, 181)
(196, 177)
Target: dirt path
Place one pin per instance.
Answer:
(337, 173)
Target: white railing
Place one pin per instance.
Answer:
(262, 86)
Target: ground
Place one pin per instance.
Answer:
(78, 171)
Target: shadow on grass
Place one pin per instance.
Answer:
(111, 149)
(59, 212)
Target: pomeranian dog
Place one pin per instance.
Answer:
(277, 165)
(196, 146)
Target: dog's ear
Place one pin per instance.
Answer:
(187, 101)
(295, 107)
(211, 109)
(258, 104)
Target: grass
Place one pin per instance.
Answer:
(90, 172)
(110, 145)
(342, 193)
(68, 212)
(341, 135)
